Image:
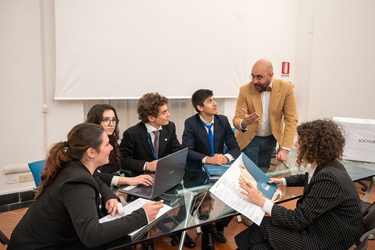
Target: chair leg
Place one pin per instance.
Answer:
(3, 238)
(239, 219)
(364, 186)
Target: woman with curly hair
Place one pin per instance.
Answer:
(106, 116)
(327, 216)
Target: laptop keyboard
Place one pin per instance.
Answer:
(147, 191)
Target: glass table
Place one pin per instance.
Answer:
(194, 206)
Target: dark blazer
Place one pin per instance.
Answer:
(67, 214)
(106, 173)
(327, 216)
(196, 139)
(136, 146)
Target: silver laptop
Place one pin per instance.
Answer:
(169, 172)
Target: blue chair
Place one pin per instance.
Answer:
(36, 169)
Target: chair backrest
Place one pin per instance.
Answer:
(36, 169)
(369, 222)
(369, 217)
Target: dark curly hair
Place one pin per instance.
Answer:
(149, 104)
(95, 115)
(321, 141)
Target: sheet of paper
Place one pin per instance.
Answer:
(228, 190)
(132, 207)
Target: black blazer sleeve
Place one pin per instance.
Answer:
(105, 191)
(168, 142)
(83, 213)
(135, 149)
(194, 138)
(105, 177)
(297, 180)
(230, 140)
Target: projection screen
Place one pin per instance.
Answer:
(121, 49)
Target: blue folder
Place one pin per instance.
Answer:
(266, 188)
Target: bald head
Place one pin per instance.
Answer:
(263, 65)
(262, 74)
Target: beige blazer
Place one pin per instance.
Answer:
(283, 113)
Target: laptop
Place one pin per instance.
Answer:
(169, 173)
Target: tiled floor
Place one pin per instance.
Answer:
(8, 221)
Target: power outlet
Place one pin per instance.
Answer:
(26, 178)
(11, 178)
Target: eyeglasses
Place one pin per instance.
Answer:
(258, 77)
(107, 121)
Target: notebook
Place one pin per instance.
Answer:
(214, 172)
(129, 208)
(169, 172)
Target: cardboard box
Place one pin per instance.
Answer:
(360, 138)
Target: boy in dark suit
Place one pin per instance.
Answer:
(152, 138)
(207, 135)
(138, 149)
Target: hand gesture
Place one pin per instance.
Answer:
(249, 118)
(152, 208)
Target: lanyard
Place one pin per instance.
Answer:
(151, 146)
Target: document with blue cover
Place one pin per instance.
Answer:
(213, 170)
(228, 190)
(260, 177)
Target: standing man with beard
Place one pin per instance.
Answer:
(266, 113)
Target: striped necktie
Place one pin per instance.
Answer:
(156, 142)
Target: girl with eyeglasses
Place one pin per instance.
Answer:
(106, 116)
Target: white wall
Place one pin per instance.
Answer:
(22, 129)
(334, 59)
(26, 84)
(343, 52)
(330, 45)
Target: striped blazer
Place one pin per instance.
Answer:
(327, 216)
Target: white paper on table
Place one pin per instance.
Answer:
(138, 203)
(227, 189)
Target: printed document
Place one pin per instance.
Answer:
(138, 203)
(228, 190)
